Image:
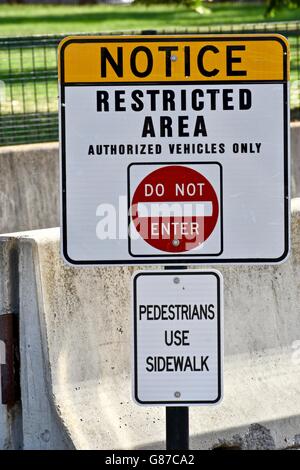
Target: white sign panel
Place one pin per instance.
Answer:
(177, 336)
(174, 149)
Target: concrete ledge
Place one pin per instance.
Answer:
(75, 326)
(29, 148)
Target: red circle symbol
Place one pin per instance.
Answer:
(175, 208)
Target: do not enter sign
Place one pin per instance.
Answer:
(175, 208)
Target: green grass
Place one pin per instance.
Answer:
(52, 19)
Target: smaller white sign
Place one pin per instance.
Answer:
(178, 337)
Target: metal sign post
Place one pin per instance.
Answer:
(177, 428)
(177, 418)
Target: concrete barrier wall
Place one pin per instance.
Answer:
(29, 187)
(29, 184)
(75, 327)
(10, 417)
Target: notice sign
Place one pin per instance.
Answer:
(178, 322)
(174, 149)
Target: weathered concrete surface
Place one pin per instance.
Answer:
(23, 425)
(75, 352)
(29, 187)
(29, 184)
(42, 427)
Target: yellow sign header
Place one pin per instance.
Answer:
(128, 59)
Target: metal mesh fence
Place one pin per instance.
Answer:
(28, 101)
(28, 80)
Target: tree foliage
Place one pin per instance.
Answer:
(273, 5)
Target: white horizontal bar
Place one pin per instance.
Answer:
(174, 209)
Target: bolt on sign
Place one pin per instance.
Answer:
(178, 337)
(174, 149)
